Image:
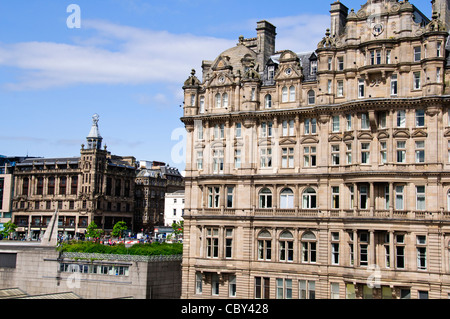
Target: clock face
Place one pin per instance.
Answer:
(378, 29)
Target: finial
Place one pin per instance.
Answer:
(95, 118)
(241, 39)
(193, 72)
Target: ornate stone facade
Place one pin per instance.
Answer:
(323, 174)
(96, 186)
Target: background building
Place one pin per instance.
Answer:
(154, 180)
(96, 186)
(325, 174)
(174, 208)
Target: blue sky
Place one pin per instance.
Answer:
(127, 62)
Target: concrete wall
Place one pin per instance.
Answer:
(38, 271)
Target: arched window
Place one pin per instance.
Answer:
(268, 101)
(286, 246)
(311, 97)
(309, 247)
(218, 101)
(309, 199)
(265, 198)
(264, 245)
(292, 94)
(287, 198)
(284, 94)
(225, 100)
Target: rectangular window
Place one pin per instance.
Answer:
(230, 192)
(218, 161)
(212, 243)
(416, 81)
(335, 123)
(202, 105)
(421, 253)
(363, 249)
(8, 260)
(237, 158)
(417, 54)
(349, 122)
(309, 156)
(199, 160)
(400, 251)
(266, 129)
(348, 154)
(361, 88)
(399, 198)
(229, 243)
(262, 288)
(330, 87)
(266, 157)
(330, 64)
(232, 286)
(382, 119)
(365, 122)
(341, 63)
(213, 197)
(238, 130)
(383, 152)
(264, 249)
(334, 290)
(365, 153)
(420, 118)
(287, 158)
(340, 88)
(438, 75)
(394, 84)
(198, 283)
(335, 155)
(215, 284)
(420, 151)
(335, 197)
(306, 289)
(388, 56)
(420, 197)
(363, 197)
(401, 118)
(401, 151)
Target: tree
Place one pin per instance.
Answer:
(178, 228)
(9, 228)
(119, 228)
(93, 232)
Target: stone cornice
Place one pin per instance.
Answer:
(353, 106)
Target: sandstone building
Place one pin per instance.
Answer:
(96, 186)
(323, 174)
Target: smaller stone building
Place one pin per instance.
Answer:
(39, 270)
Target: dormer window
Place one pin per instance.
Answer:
(271, 73)
(313, 70)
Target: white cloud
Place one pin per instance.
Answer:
(140, 56)
(118, 54)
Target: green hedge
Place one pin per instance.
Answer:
(153, 249)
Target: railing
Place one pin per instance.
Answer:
(333, 213)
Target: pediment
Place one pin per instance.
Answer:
(238, 142)
(447, 133)
(383, 135)
(288, 71)
(365, 136)
(287, 141)
(199, 146)
(309, 140)
(348, 136)
(419, 133)
(335, 138)
(218, 144)
(401, 134)
(265, 142)
(222, 63)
